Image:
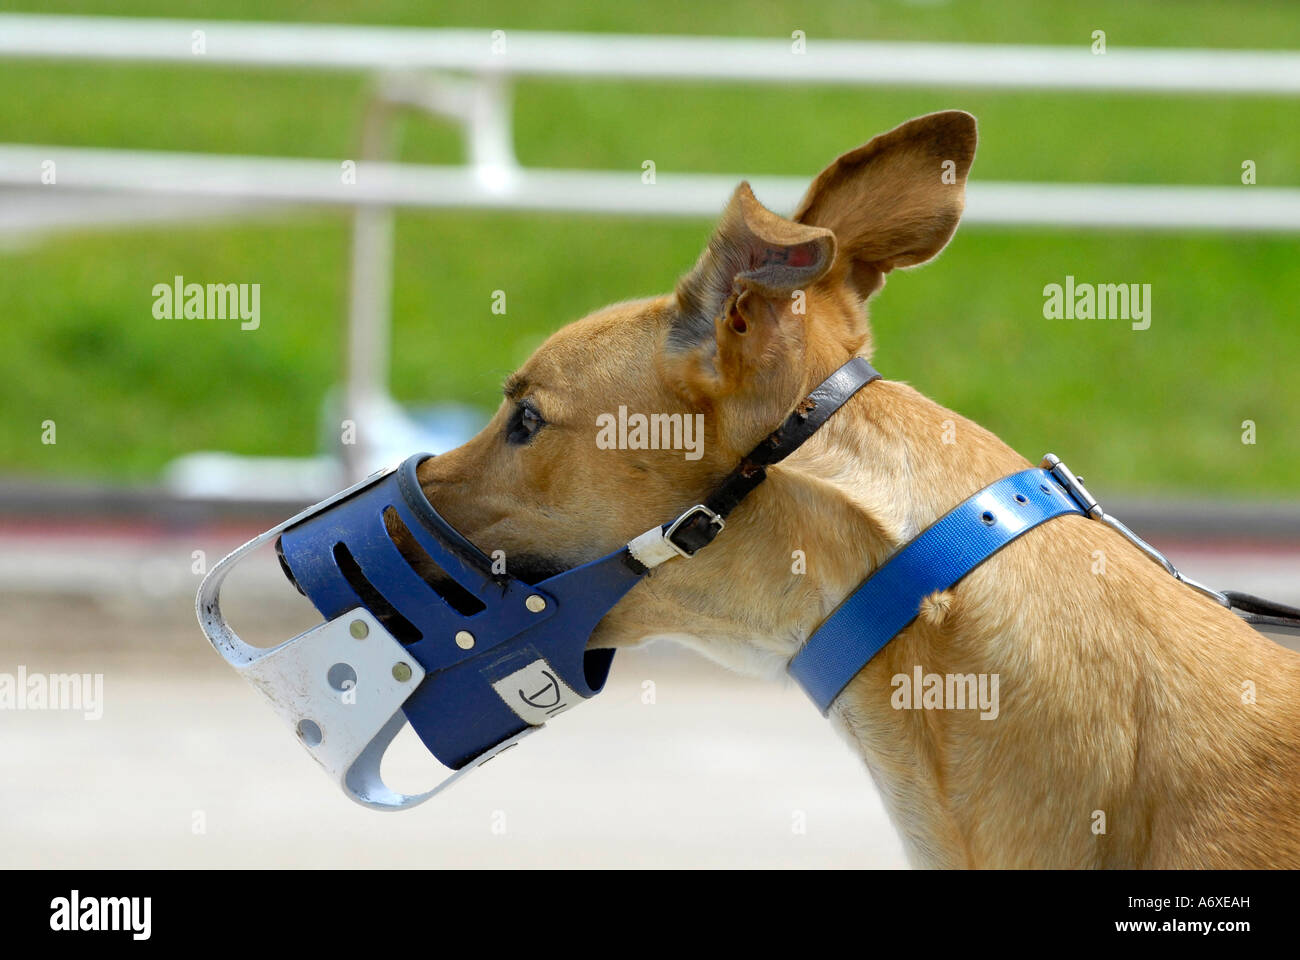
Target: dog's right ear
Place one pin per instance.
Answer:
(896, 200)
(735, 312)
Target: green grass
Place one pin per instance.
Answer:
(1157, 410)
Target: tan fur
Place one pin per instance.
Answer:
(1120, 692)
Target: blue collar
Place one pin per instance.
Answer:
(890, 599)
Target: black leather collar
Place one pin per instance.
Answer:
(809, 414)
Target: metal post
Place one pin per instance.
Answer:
(483, 110)
(366, 362)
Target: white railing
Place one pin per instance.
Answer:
(383, 185)
(466, 75)
(525, 53)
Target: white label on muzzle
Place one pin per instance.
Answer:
(536, 693)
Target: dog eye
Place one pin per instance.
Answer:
(524, 423)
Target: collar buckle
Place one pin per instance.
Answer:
(1073, 485)
(716, 526)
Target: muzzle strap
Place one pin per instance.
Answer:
(698, 526)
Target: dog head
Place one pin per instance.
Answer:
(625, 418)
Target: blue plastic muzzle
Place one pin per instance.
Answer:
(499, 654)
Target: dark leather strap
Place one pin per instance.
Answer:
(1265, 613)
(807, 417)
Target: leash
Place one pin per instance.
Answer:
(1268, 614)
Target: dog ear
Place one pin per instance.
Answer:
(752, 275)
(895, 201)
(753, 251)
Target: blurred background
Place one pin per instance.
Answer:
(176, 439)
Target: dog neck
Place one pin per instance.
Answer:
(891, 466)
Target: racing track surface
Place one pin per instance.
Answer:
(189, 768)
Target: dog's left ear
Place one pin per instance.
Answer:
(895, 201)
(734, 309)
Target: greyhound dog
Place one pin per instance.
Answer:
(1123, 736)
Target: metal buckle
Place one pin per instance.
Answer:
(714, 520)
(1073, 485)
(1075, 488)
